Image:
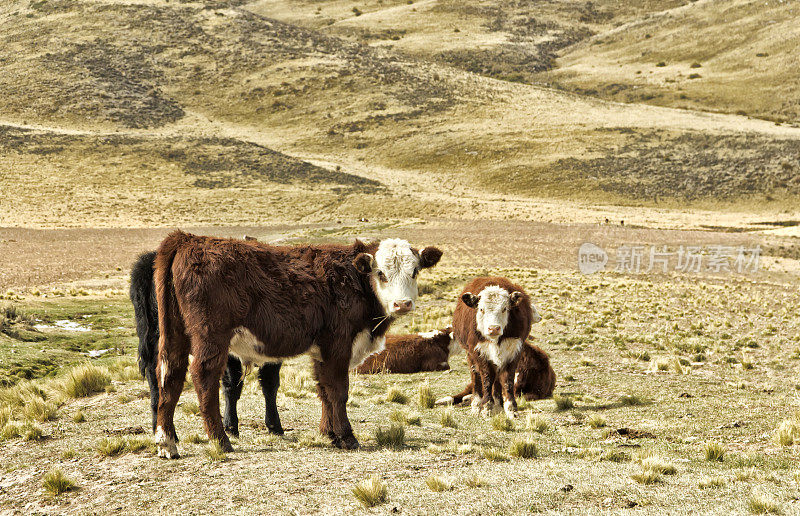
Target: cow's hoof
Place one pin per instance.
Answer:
(476, 405)
(226, 445)
(277, 430)
(233, 432)
(167, 448)
(510, 410)
(487, 410)
(467, 398)
(447, 400)
(349, 442)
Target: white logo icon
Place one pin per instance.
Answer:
(591, 258)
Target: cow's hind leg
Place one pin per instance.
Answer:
(173, 359)
(269, 375)
(326, 422)
(152, 381)
(232, 384)
(210, 359)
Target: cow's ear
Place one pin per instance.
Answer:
(429, 257)
(515, 298)
(364, 263)
(470, 299)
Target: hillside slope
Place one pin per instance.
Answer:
(157, 73)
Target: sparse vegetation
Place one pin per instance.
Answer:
(563, 402)
(714, 452)
(425, 397)
(596, 421)
(523, 449)
(438, 483)
(760, 504)
(537, 423)
(86, 380)
(502, 423)
(56, 482)
(392, 437)
(494, 455)
(447, 418)
(371, 492)
(395, 395)
(214, 453)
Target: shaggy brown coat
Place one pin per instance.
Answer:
(292, 299)
(411, 353)
(492, 384)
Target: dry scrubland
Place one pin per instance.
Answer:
(672, 391)
(504, 131)
(236, 112)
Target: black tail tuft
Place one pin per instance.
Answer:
(143, 297)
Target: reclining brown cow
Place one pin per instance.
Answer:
(412, 353)
(262, 302)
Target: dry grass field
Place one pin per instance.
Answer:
(508, 133)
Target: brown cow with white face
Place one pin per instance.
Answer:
(264, 303)
(492, 320)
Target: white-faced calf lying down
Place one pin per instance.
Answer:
(492, 320)
(412, 353)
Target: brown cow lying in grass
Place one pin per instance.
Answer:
(535, 378)
(412, 353)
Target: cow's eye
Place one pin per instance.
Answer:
(382, 276)
(481, 310)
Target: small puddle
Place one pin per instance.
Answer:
(62, 325)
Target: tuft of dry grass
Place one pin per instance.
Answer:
(195, 438)
(38, 409)
(474, 481)
(85, 380)
(614, 456)
(788, 432)
(760, 504)
(392, 437)
(632, 400)
(79, 416)
(425, 398)
(56, 482)
(596, 421)
(438, 483)
(395, 395)
(712, 483)
(214, 453)
(563, 402)
(537, 423)
(67, 454)
(494, 455)
(502, 423)
(523, 449)
(647, 477)
(714, 452)
(111, 446)
(659, 465)
(371, 492)
(447, 418)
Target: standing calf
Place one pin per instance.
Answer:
(145, 308)
(412, 353)
(492, 320)
(262, 303)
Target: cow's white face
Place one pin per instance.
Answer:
(492, 306)
(393, 273)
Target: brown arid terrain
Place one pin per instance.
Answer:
(508, 133)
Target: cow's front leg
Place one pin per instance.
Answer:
(506, 381)
(210, 358)
(334, 383)
(487, 379)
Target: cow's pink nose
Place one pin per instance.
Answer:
(403, 306)
(494, 330)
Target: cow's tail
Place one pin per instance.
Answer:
(145, 309)
(170, 321)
